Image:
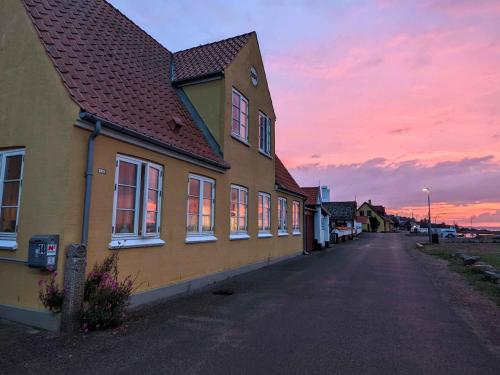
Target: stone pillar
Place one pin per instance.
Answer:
(74, 283)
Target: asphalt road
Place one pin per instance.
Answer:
(365, 307)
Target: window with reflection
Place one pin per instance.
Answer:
(282, 215)
(264, 212)
(200, 210)
(11, 178)
(239, 116)
(239, 209)
(138, 194)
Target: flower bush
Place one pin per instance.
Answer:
(105, 298)
(51, 296)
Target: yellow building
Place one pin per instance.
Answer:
(373, 218)
(183, 179)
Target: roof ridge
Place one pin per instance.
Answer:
(136, 25)
(216, 42)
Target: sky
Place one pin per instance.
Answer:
(375, 99)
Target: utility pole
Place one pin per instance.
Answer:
(428, 191)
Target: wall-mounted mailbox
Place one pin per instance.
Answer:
(42, 252)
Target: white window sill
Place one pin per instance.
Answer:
(265, 154)
(282, 234)
(200, 238)
(296, 233)
(135, 242)
(264, 235)
(239, 139)
(6, 244)
(239, 236)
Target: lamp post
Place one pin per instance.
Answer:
(428, 191)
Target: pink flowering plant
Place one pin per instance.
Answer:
(105, 297)
(51, 296)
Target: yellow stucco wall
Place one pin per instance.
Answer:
(36, 113)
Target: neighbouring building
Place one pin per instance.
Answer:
(376, 219)
(342, 217)
(320, 217)
(183, 179)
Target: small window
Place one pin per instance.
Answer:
(11, 178)
(368, 213)
(361, 213)
(239, 116)
(282, 218)
(200, 211)
(264, 211)
(264, 134)
(137, 202)
(296, 217)
(239, 209)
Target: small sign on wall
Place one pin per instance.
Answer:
(101, 170)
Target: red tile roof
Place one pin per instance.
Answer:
(207, 59)
(312, 194)
(115, 71)
(284, 179)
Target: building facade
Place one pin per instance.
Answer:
(184, 176)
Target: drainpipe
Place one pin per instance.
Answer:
(88, 181)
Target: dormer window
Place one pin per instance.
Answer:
(240, 116)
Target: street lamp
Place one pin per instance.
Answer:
(428, 191)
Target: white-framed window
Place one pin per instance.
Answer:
(296, 217)
(264, 133)
(200, 206)
(239, 209)
(282, 216)
(137, 200)
(11, 180)
(239, 127)
(264, 211)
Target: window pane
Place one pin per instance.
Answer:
(193, 206)
(151, 222)
(234, 223)
(8, 220)
(194, 187)
(207, 225)
(124, 221)
(207, 206)
(193, 223)
(236, 100)
(236, 127)
(242, 223)
(10, 193)
(207, 190)
(127, 174)
(243, 196)
(154, 175)
(236, 114)
(152, 200)
(234, 195)
(126, 197)
(13, 167)
(244, 107)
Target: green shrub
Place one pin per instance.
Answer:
(105, 298)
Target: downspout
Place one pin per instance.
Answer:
(88, 181)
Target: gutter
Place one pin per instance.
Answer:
(88, 181)
(121, 129)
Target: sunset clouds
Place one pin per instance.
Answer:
(374, 98)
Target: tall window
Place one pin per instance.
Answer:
(138, 192)
(200, 213)
(240, 116)
(282, 212)
(264, 133)
(11, 177)
(239, 209)
(296, 217)
(264, 220)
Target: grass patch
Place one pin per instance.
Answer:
(489, 253)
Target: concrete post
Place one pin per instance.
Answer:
(74, 283)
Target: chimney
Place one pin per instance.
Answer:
(369, 201)
(325, 194)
